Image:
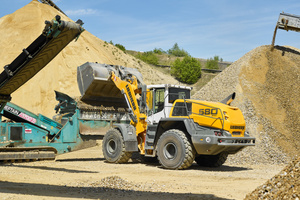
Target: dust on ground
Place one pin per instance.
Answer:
(85, 174)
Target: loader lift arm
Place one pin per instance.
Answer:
(129, 88)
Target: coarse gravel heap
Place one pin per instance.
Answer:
(267, 86)
(285, 185)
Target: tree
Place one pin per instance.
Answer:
(176, 51)
(213, 63)
(158, 51)
(187, 71)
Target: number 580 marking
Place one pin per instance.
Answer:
(208, 111)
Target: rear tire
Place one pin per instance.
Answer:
(113, 147)
(174, 150)
(211, 160)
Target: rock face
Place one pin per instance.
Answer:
(267, 86)
(22, 27)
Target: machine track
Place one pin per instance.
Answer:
(26, 154)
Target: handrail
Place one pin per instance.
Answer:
(190, 113)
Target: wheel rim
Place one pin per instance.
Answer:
(111, 146)
(170, 151)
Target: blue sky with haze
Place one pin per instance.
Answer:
(227, 28)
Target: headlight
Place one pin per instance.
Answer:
(246, 134)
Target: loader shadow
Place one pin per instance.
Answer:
(53, 169)
(138, 159)
(46, 190)
(223, 168)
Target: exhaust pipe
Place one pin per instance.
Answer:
(228, 99)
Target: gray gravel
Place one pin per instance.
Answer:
(250, 77)
(285, 185)
(116, 183)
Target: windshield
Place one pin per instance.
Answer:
(178, 93)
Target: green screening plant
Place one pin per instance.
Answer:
(176, 51)
(213, 63)
(187, 71)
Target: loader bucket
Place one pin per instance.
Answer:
(96, 87)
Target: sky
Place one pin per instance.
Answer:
(203, 28)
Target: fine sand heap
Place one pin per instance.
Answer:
(267, 86)
(22, 27)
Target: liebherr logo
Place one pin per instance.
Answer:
(130, 97)
(237, 127)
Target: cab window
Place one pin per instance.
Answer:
(178, 93)
(159, 100)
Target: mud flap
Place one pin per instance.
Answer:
(129, 134)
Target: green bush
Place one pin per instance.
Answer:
(148, 57)
(187, 71)
(121, 47)
(158, 51)
(213, 63)
(176, 51)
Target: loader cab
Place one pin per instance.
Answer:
(162, 98)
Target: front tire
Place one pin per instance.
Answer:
(113, 147)
(211, 160)
(174, 150)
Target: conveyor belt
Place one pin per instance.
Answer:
(55, 37)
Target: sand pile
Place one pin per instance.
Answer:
(22, 27)
(285, 185)
(267, 84)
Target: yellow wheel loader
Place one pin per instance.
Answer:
(164, 121)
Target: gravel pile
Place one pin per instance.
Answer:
(116, 183)
(267, 86)
(285, 185)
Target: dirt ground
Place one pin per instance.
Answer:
(85, 174)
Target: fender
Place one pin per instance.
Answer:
(165, 124)
(129, 135)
